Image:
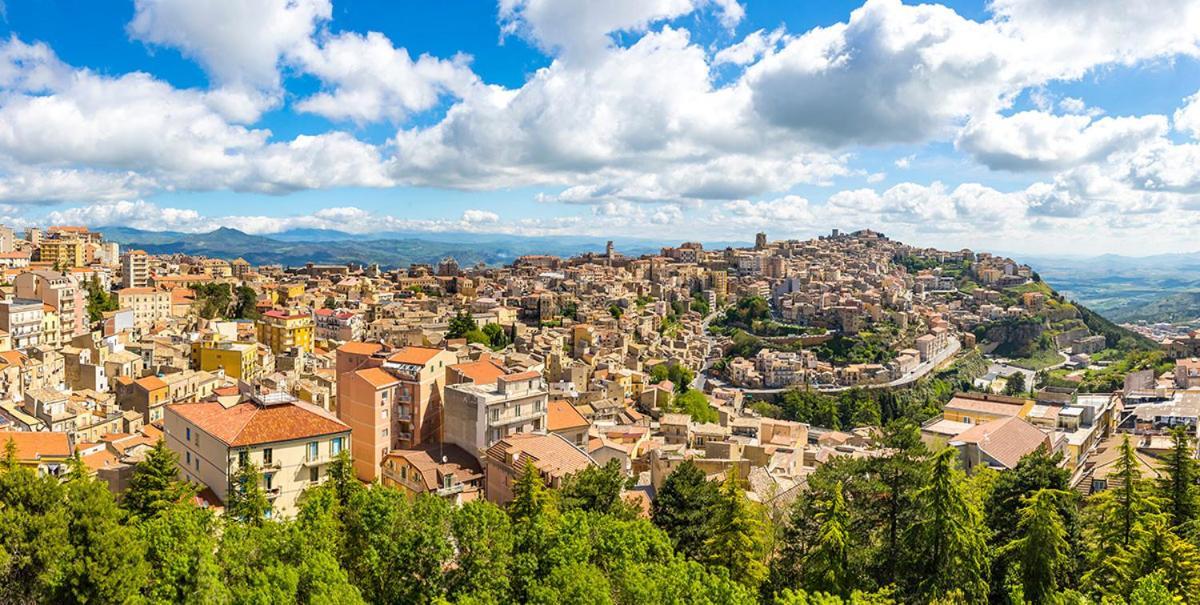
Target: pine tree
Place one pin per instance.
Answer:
(1042, 550)
(948, 543)
(155, 485)
(106, 560)
(530, 497)
(1178, 483)
(1160, 549)
(827, 567)
(682, 507)
(342, 478)
(247, 501)
(1129, 493)
(737, 534)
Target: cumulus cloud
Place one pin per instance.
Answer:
(1036, 140)
(480, 216)
(579, 30)
(1187, 117)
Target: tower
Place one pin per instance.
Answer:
(760, 241)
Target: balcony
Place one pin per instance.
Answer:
(273, 492)
(317, 461)
(507, 420)
(271, 466)
(457, 488)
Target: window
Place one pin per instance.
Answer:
(495, 414)
(447, 480)
(335, 446)
(267, 480)
(267, 458)
(314, 474)
(404, 472)
(518, 411)
(243, 457)
(188, 432)
(313, 450)
(383, 413)
(1099, 485)
(188, 457)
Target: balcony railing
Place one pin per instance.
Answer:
(457, 488)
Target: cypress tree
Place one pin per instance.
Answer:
(1042, 550)
(1178, 484)
(948, 542)
(155, 485)
(827, 567)
(737, 534)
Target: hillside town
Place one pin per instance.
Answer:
(764, 367)
(440, 379)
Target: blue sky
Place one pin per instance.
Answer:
(1024, 125)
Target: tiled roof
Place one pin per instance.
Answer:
(1006, 440)
(484, 371)
(414, 355)
(551, 454)
(377, 377)
(427, 460)
(562, 416)
(36, 445)
(250, 424)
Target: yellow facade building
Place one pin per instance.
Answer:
(281, 331)
(239, 360)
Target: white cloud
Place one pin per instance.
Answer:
(579, 30)
(369, 79)
(1036, 140)
(475, 216)
(753, 46)
(1187, 118)
(238, 42)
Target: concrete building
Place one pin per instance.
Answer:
(291, 442)
(281, 331)
(58, 291)
(391, 401)
(148, 304)
(22, 319)
(478, 415)
(135, 269)
(554, 457)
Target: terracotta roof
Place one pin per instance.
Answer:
(993, 404)
(251, 424)
(484, 371)
(151, 383)
(457, 461)
(414, 355)
(552, 454)
(562, 416)
(1006, 440)
(377, 377)
(522, 376)
(37, 445)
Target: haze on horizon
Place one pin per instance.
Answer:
(1037, 127)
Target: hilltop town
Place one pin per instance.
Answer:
(766, 368)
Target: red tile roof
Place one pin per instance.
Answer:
(562, 416)
(251, 424)
(484, 371)
(377, 377)
(37, 445)
(414, 355)
(360, 348)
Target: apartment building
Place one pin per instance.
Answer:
(391, 400)
(478, 415)
(554, 457)
(135, 269)
(282, 330)
(238, 360)
(291, 442)
(148, 304)
(58, 291)
(22, 319)
(64, 252)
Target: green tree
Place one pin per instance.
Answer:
(1015, 384)
(496, 335)
(682, 508)
(154, 485)
(1158, 549)
(616, 311)
(948, 537)
(695, 404)
(900, 472)
(248, 501)
(484, 541)
(105, 561)
(530, 497)
(737, 534)
(572, 584)
(99, 300)
(827, 566)
(33, 532)
(597, 489)
(1042, 551)
(1178, 483)
(461, 324)
(181, 549)
(246, 303)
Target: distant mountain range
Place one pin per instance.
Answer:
(390, 249)
(1162, 287)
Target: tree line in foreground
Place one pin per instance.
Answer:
(905, 527)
